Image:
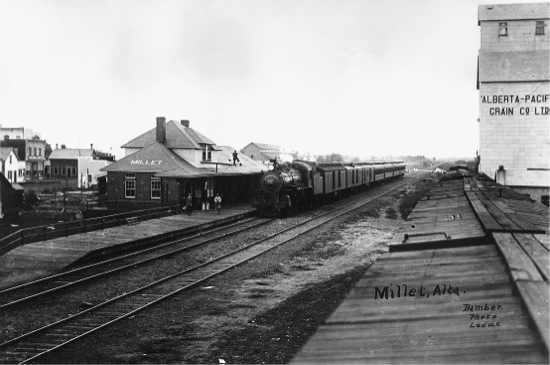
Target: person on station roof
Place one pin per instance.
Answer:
(235, 158)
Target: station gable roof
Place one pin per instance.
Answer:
(245, 166)
(156, 158)
(177, 136)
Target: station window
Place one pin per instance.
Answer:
(63, 171)
(206, 154)
(55, 170)
(502, 29)
(130, 188)
(540, 27)
(73, 171)
(155, 188)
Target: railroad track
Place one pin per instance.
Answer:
(37, 343)
(63, 280)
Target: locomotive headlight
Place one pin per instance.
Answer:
(270, 167)
(271, 183)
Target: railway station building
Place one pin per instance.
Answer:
(514, 96)
(165, 164)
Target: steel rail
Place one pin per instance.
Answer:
(89, 276)
(194, 282)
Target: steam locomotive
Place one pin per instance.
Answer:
(300, 184)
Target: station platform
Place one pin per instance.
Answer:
(38, 259)
(466, 283)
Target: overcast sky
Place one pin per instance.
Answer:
(356, 77)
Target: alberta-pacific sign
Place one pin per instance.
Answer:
(525, 105)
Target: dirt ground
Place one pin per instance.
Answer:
(259, 313)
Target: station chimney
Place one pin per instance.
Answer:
(161, 130)
(185, 123)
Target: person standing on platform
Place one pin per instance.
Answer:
(188, 204)
(218, 202)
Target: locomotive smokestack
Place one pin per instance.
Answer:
(161, 130)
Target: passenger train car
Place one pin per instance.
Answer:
(300, 184)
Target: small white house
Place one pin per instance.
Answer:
(10, 164)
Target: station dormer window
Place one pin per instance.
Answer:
(540, 27)
(502, 29)
(207, 153)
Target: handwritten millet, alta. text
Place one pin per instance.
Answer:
(403, 290)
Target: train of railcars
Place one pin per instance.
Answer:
(300, 184)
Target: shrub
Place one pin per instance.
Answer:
(391, 213)
(30, 199)
(409, 200)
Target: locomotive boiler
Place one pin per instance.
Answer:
(283, 188)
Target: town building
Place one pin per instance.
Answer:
(165, 164)
(36, 158)
(76, 168)
(11, 167)
(18, 133)
(30, 151)
(262, 152)
(514, 96)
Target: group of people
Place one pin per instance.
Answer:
(189, 203)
